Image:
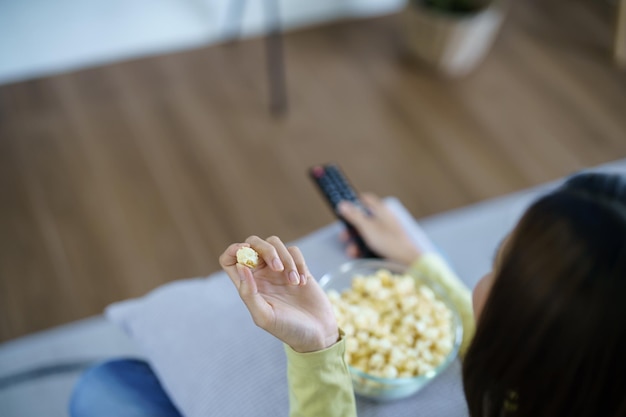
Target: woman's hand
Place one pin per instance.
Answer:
(282, 296)
(381, 230)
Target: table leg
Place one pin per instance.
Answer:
(620, 34)
(275, 60)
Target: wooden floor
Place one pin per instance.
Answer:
(117, 179)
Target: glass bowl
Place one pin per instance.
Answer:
(386, 389)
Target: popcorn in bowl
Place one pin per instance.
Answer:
(400, 330)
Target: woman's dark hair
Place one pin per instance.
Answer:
(551, 339)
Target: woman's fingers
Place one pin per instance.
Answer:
(344, 236)
(352, 250)
(380, 211)
(298, 258)
(275, 254)
(372, 202)
(352, 214)
(260, 310)
(278, 266)
(267, 252)
(293, 276)
(229, 257)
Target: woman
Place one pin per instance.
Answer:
(551, 335)
(551, 317)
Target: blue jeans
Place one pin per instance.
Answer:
(120, 388)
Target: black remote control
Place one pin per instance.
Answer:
(335, 187)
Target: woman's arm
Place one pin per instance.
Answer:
(383, 232)
(285, 300)
(320, 383)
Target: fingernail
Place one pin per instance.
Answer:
(342, 206)
(293, 278)
(303, 279)
(277, 264)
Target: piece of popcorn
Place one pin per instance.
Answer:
(424, 367)
(427, 292)
(443, 345)
(361, 322)
(406, 339)
(248, 257)
(404, 286)
(390, 371)
(408, 303)
(373, 344)
(382, 330)
(384, 345)
(352, 345)
(376, 361)
(362, 336)
(431, 333)
(397, 357)
(358, 284)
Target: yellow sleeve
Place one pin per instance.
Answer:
(320, 383)
(436, 269)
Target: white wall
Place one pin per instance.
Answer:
(43, 37)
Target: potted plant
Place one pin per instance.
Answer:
(451, 35)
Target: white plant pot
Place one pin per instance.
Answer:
(454, 44)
